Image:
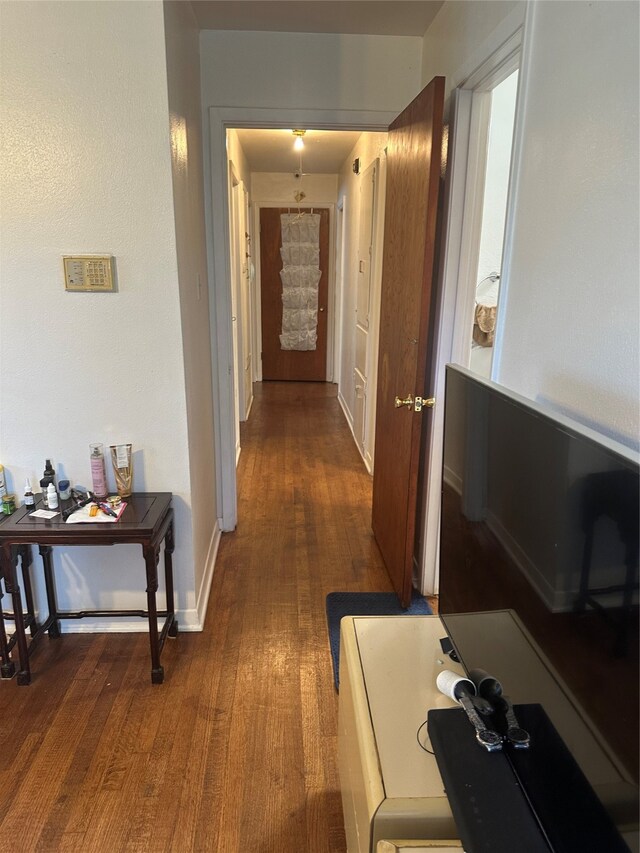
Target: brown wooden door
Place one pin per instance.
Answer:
(413, 175)
(277, 363)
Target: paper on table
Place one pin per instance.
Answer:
(81, 516)
(43, 513)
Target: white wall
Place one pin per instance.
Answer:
(572, 306)
(183, 78)
(569, 294)
(236, 155)
(463, 34)
(86, 167)
(315, 71)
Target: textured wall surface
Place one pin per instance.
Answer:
(571, 324)
(86, 168)
(310, 70)
(183, 73)
(464, 34)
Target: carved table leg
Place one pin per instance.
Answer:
(50, 586)
(7, 667)
(151, 557)
(12, 587)
(169, 545)
(25, 564)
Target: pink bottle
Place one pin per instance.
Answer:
(98, 472)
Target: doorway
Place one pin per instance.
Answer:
(220, 119)
(491, 236)
(469, 124)
(241, 303)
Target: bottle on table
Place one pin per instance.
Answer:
(29, 497)
(98, 471)
(52, 496)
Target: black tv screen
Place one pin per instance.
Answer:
(539, 571)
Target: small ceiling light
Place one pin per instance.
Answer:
(298, 145)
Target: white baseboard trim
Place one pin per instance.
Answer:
(202, 598)
(188, 620)
(349, 420)
(249, 407)
(87, 625)
(345, 409)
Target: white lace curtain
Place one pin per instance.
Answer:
(300, 276)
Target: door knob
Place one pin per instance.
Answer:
(417, 404)
(408, 402)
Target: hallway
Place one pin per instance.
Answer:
(236, 751)
(304, 510)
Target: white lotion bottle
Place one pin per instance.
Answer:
(52, 496)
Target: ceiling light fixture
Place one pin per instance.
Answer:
(298, 145)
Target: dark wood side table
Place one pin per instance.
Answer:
(147, 520)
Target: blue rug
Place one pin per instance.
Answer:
(341, 604)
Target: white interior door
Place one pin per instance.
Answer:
(363, 289)
(235, 304)
(245, 319)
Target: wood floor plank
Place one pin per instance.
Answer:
(236, 751)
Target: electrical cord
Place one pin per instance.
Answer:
(420, 744)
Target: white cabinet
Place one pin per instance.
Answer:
(391, 788)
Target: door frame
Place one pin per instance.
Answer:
(239, 406)
(219, 263)
(339, 282)
(464, 189)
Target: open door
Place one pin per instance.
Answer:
(414, 150)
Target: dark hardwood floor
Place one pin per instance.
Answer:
(236, 751)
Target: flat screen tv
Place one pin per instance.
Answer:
(539, 571)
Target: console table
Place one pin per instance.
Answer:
(147, 520)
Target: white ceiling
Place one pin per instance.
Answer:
(396, 18)
(272, 150)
